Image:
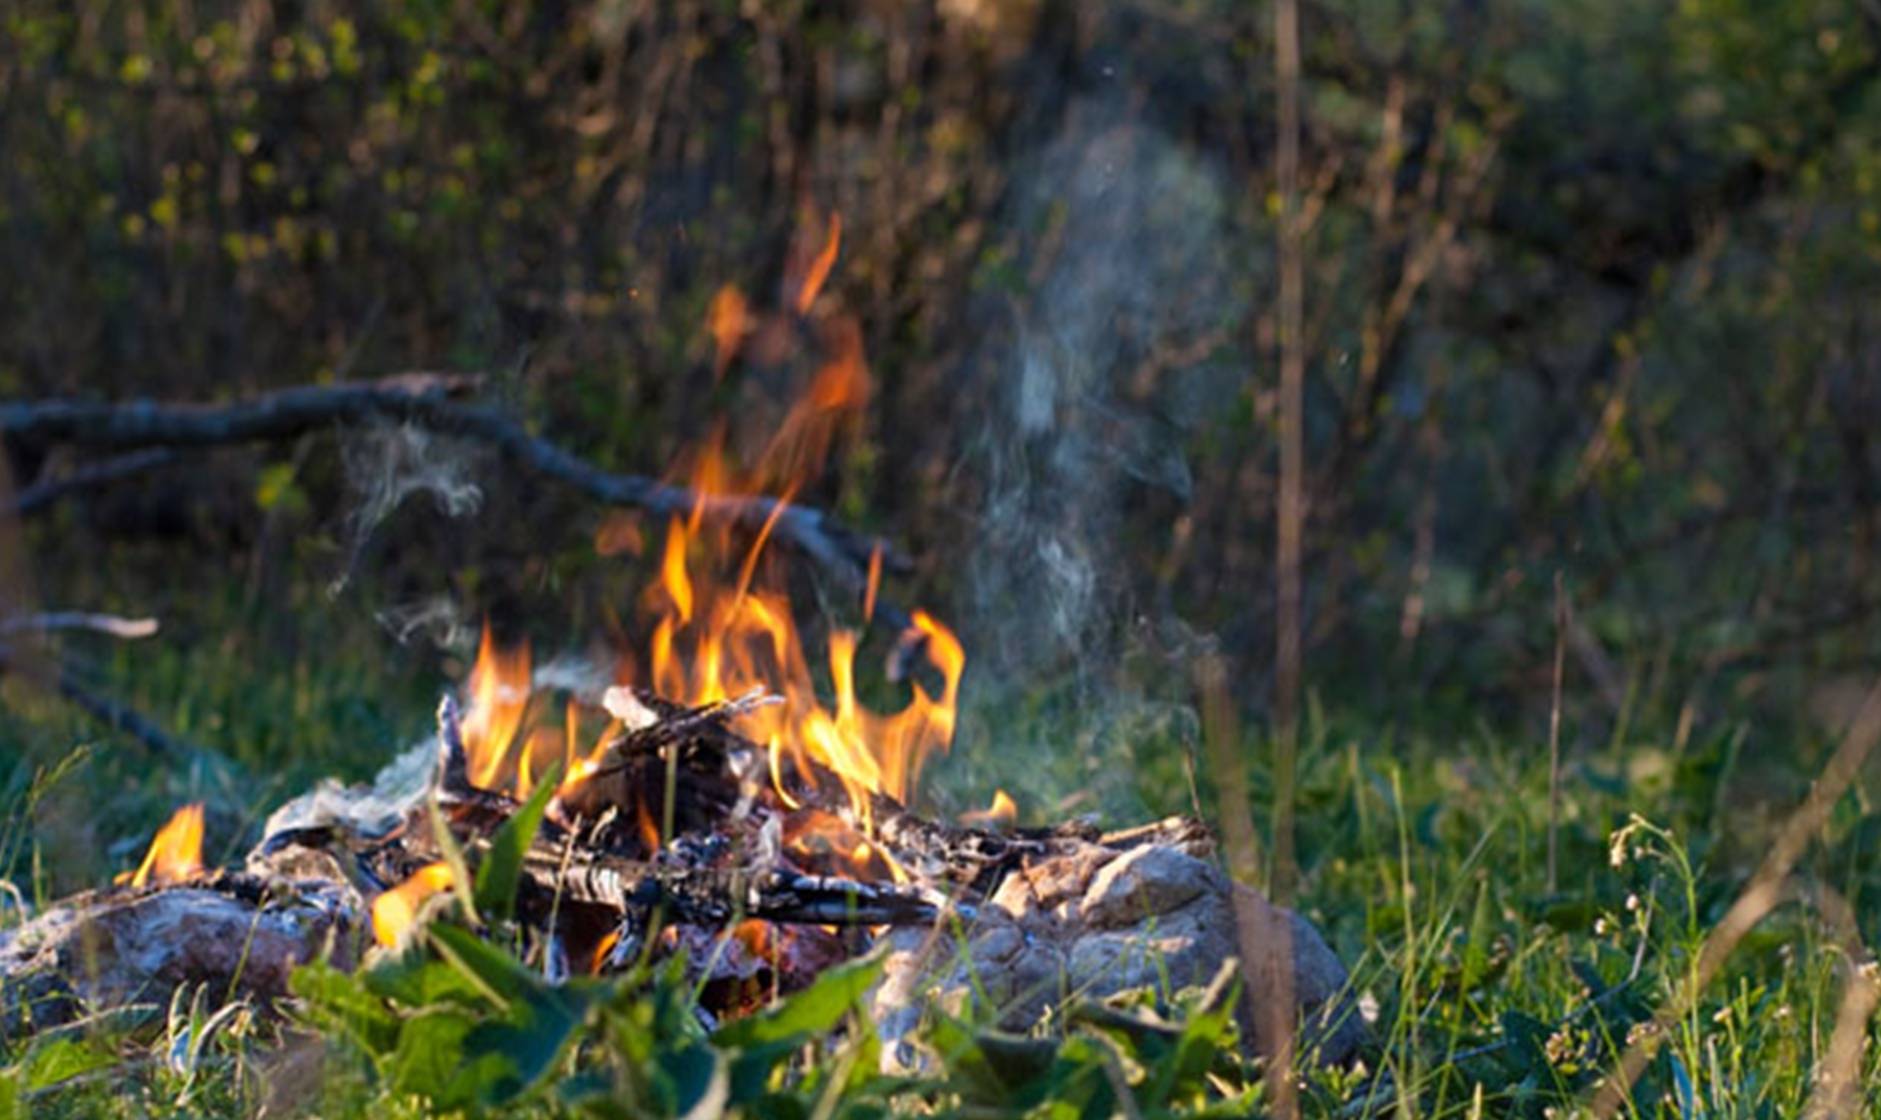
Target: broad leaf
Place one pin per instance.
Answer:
(701, 1080)
(766, 1039)
(500, 977)
(528, 1039)
(338, 1003)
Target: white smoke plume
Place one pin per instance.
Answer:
(1095, 390)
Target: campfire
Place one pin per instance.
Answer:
(720, 795)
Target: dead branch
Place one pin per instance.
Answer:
(117, 626)
(63, 680)
(45, 491)
(426, 400)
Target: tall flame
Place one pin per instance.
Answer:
(720, 629)
(728, 639)
(175, 852)
(499, 694)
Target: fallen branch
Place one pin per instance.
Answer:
(118, 716)
(117, 626)
(45, 491)
(425, 399)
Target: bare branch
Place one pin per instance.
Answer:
(425, 399)
(45, 621)
(45, 491)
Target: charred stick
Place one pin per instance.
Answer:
(114, 714)
(709, 896)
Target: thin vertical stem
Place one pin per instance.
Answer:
(1554, 724)
(1291, 512)
(1289, 519)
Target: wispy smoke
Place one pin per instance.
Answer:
(1096, 387)
(438, 620)
(388, 463)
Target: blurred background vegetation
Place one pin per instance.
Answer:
(1589, 290)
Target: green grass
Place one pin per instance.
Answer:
(1422, 861)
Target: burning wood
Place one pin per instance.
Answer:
(752, 878)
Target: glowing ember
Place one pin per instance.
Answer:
(394, 911)
(175, 852)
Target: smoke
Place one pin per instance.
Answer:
(1096, 388)
(389, 463)
(438, 620)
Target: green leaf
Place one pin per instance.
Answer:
(62, 1059)
(1476, 943)
(416, 978)
(501, 978)
(766, 1039)
(814, 1011)
(528, 1042)
(703, 1083)
(501, 868)
(429, 1055)
(275, 487)
(453, 854)
(337, 1003)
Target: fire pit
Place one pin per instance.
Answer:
(679, 831)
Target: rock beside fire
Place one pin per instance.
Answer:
(110, 950)
(1094, 922)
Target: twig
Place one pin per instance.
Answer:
(116, 626)
(1554, 724)
(1838, 1078)
(1277, 1031)
(44, 492)
(424, 399)
(60, 678)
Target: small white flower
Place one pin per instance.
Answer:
(1368, 1007)
(1632, 903)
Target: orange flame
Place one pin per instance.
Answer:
(1004, 811)
(817, 271)
(727, 320)
(394, 911)
(499, 693)
(175, 853)
(729, 639)
(602, 948)
(838, 393)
